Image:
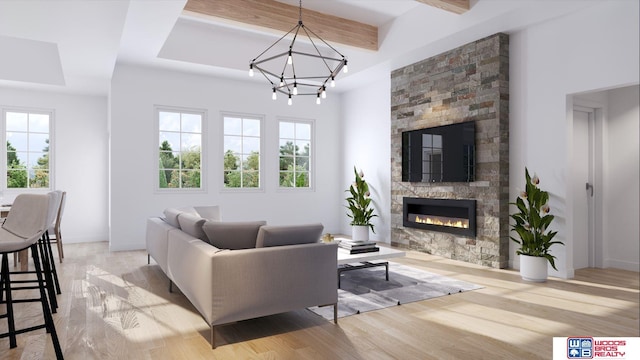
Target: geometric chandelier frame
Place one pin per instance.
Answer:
(280, 69)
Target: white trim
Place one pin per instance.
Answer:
(203, 149)
(596, 110)
(3, 137)
(260, 117)
(312, 155)
(621, 264)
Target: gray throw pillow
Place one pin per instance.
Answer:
(210, 212)
(232, 235)
(192, 225)
(171, 215)
(289, 235)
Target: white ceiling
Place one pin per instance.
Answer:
(91, 36)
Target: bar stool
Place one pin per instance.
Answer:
(55, 232)
(46, 254)
(24, 225)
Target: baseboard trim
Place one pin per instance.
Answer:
(621, 264)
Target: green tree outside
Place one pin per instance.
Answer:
(182, 171)
(247, 176)
(294, 165)
(17, 172)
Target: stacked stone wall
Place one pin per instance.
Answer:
(469, 83)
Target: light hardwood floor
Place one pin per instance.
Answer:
(115, 306)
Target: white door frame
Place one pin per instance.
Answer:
(596, 156)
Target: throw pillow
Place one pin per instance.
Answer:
(232, 235)
(211, 212)
(192, 225)
(289, 235)
(171, 215)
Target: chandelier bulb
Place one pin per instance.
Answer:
(251, 70)
(295, 88)
(345, 69)
(333, 81)
(274, 96)
(290, 58)
(281, 81)
(324, 92)
(289, 102)
(318, 99)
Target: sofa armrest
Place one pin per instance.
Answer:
(258, 282)
(157, 233)
(233, 285)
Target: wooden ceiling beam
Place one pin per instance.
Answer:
(454, 6)
(276, 15)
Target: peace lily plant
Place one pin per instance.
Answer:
(532, 221)
(359, 202)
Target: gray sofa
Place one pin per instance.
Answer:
(232, 271)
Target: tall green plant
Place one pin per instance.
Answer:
(359, 202)
(532, 221)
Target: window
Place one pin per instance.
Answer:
(242, 147)
(27, 153)
(295, 154)
(179, 148)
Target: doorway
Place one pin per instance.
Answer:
(584, 187)
(603, 185)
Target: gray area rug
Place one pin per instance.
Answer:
(366, 289)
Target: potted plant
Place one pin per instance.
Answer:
(532, 221)
(360, 209)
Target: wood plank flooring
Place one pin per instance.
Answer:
(115, 306)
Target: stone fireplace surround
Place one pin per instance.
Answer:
(469, 83)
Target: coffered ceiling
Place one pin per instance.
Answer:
(74, 45)
(280, 16)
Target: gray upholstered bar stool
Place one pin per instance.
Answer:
(46, 255)
(25, 224)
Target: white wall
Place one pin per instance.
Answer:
(596, 48)
(79, 147)
(135, 91)
(367, 142)
(622, 179)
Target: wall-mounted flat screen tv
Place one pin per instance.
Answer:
(439, 154)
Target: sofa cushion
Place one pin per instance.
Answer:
(192, 225)
(171, 215)
(288, 235)
(232, 235)
(210, 212)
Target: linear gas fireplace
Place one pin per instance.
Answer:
(445, 215)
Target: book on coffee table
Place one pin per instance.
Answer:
(356, 247)
(363, 250)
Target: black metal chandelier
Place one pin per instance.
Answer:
(316, 70)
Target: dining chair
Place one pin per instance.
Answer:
(24, 226)
(55, 234)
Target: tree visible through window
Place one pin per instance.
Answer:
(180, 150)
(241, 152)
(295, 150)
(27, 136)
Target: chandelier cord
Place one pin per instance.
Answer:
(300, 14)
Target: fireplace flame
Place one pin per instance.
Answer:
(441, 221)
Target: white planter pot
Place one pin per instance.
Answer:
(360, 232)
(533, 268)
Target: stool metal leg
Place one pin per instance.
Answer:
(48, 318)
(52, 262)
(48, 278)
(9, 315)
